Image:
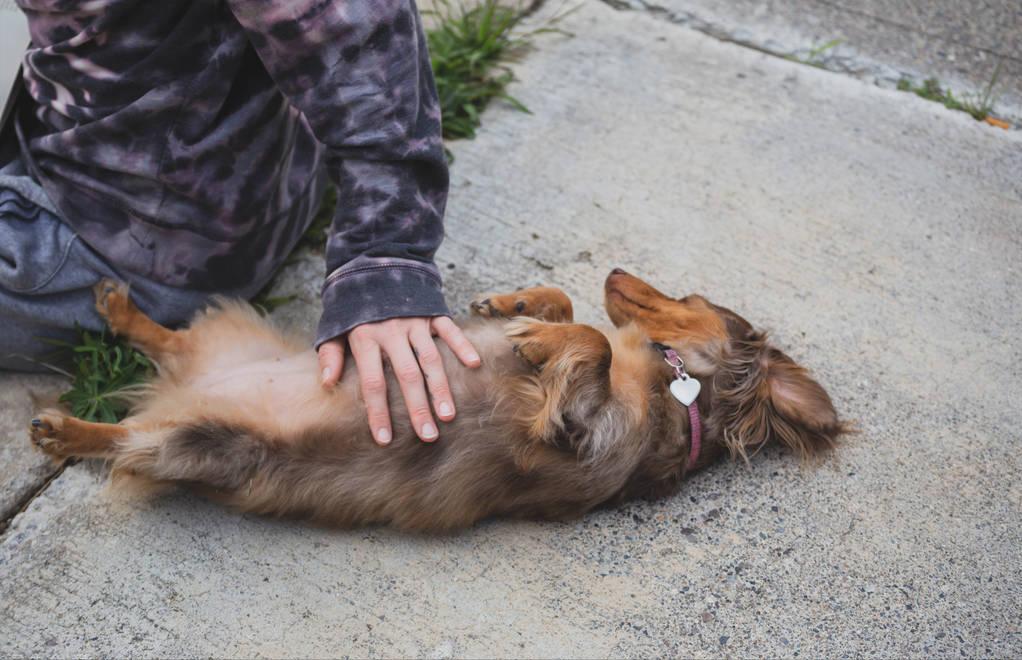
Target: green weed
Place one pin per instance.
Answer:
(314, 237)
(469, 46)
(106, 373)
(979, 106)
(815, 55)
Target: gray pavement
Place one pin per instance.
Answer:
(13, 39)
(876, 233)
(22, 471)
(959, 43)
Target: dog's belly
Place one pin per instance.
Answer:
(237, 380)
(283, 395)
(280, 396)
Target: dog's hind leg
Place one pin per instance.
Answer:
(213, 455)
(542, 302)
(126, 320)
(61, 436)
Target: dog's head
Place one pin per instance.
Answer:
(755, 392)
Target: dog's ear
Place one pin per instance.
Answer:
(763, 395)
(804, 418)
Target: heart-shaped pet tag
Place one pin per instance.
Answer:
(685, 390)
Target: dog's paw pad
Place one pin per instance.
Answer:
(485, 308)
(45, 433)
(111, 299)
(501, 307)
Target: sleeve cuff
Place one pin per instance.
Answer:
(372, 289)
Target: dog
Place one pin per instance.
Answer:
(561, 417)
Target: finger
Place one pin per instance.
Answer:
(433, 369)
(369, 362)
(331, 362)
(413, 389)
(452, 335)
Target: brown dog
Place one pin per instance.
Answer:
(561, 418)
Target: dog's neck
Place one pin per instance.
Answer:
(685, 390)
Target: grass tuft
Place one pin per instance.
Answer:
(469, 46)
(815, 56)
(979, 106)
(314, 237)
(106, 373)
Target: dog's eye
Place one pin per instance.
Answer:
(520, 306)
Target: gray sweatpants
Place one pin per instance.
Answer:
(46, 277)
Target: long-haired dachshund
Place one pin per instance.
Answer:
(561, 418)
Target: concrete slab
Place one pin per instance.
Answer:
(22, 470)
(13, 40)
(875, 232)
(961, 44)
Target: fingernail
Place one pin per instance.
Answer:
(473, 357)
(383, 436)
(325, 374)
(445, 409)
(429, 431)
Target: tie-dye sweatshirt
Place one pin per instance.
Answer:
(188, 141)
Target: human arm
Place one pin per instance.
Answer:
(359, 72)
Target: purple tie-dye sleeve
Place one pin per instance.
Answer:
(359, 71)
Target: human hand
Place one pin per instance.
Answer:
(409, 345)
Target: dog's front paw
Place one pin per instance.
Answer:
(113, 303)
(533, 341)
(544, 303)
(497, 307)
(46, 432)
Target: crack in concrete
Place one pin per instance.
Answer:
(881, 75)
(26, 501)
(913, 28)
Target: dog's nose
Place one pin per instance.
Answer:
(618, 271)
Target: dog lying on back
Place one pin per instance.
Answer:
(561, 418)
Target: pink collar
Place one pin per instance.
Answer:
(672, 358)
(697, 435)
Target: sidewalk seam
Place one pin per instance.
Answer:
(27, 500)
(865, 69)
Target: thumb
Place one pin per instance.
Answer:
(331, 361)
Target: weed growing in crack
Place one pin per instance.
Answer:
(815, 55)
(979, 105)
(469, 47)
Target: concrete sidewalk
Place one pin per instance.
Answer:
(881, 41)
(877, 234)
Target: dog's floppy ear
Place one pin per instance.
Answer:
(804, 416)
(763, 395)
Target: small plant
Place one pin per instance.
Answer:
(265, 303)
(815, 55)
(106, 373)
(979, 106)
(468, 47)
(314, 237)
